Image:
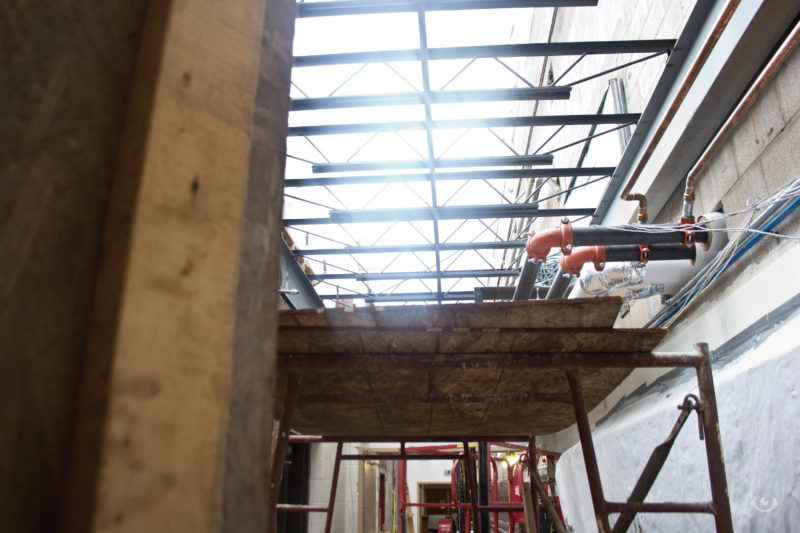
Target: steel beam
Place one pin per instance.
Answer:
(293, 278)
(491, 51)
(460, 212)
(464, 123)
(368, 7)
(427, 274)
(501, 174)
(412, 248)
(463, 162)
(451, 296)
(437, 97)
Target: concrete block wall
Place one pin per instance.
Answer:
(346, 508)
(760, 156)
(610, 20)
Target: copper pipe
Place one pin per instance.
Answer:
(764, 78)
(716, 32)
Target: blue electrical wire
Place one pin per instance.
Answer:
(774, 221)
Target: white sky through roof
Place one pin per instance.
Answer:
(358, 33)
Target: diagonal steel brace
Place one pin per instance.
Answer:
(657, 460)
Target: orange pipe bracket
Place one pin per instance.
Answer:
(539, 244)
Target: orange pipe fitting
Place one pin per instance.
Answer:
(539, 244)
(573, 263)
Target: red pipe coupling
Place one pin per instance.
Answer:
(644, 253)
(539, 244)
(573, 263)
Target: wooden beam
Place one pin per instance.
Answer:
(159, 445)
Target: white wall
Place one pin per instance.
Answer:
(748, 316)
(345, 514)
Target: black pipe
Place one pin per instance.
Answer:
(526, 280)
(658, 252)
(559, 287)
(616, 235)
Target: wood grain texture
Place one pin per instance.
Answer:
(248, 455)
(551, 326)
(152, 439)
(65, 74)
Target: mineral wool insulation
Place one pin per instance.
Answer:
(759, 408)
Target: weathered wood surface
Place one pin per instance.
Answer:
(65, 73)
(172, 337)
(516, 328)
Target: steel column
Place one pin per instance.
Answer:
(716, 462)
(483, 486)
(473, 490)
(589, 456)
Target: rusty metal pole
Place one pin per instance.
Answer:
(548, 503)
(473, 491)
(280, 446)
(334, 482)
(533, 470)
(716, 462)
(589, 457)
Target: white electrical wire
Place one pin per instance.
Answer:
(703, 280)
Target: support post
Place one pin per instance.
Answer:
(473, 491)
(483, 486)
(537, 483)
(533, 461)
(174, 414)
(716, 462)
(280, 445)
(589, 457)
(334, 483)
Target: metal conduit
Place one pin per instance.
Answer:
(526, 281)
(560, 285)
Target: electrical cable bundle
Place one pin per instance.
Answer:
(764, 216)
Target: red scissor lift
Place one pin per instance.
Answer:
(505, 483)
